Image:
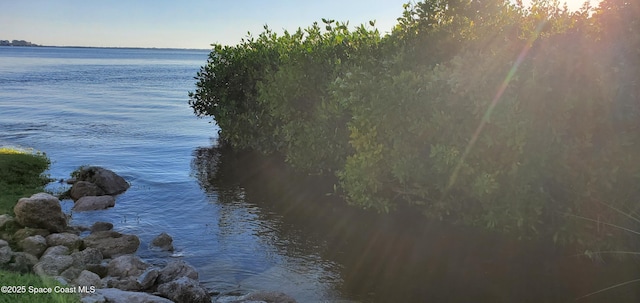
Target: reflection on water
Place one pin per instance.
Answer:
(262, 251)
(367, 257)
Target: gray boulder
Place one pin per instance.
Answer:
(124, 272)
(126, 283)
(83, 189)
(87, 278)
(107, 180)
(93, 298)
(71, 241)
(52, 265)
(163, 241)
(57, 251)
(87, 256)
(26, 232)
(88, 203)
(71, 273)
(175, 270)
(184, 290)
(35, 245)
(22, 262)
(112, 243)
(101, 226)
(147, 279)
(5, 253)
(113, 295)
(127, 266)
(41, 211)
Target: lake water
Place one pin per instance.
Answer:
(244, 222)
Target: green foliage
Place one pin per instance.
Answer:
(21, 175)
(480, 112)
(15, 279)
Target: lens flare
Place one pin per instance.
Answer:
(494, 103)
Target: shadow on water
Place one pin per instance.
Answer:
(403, 257)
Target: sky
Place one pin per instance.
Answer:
(179, 24)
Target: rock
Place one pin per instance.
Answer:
(41, 211)
(22, 262)
(5, 254)
(76, 229)
(71, 273)
(87, 256)
(101, 226)
(88, 203)
(71, 241)
(61, 280)
(266, 296)
(56, 251)
(126, 283)
(83, 189)
(113, 295)
(175, 270)
(93, 298)
(184, 290)
(107, 180)
(87, 278)
(126, 266)
(35, 245)
(124, 271)
(23, 233)
(52, 265)
(163, 241)
(147, 279)
(99, 269)
(112, 243)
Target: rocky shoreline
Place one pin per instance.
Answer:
(99, 263)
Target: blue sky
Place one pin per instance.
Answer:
(179, 24)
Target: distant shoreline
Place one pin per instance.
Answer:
(105, 47)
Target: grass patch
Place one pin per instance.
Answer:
(13, 279)
(21, 175)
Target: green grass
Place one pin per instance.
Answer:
(21, 175)
(25, 281)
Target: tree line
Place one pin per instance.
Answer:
(520, 119)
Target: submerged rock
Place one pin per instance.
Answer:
(163, 241)
(87, 203)
(85, 189)
(105, 179)
(101, 226)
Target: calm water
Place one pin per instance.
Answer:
(246, 223)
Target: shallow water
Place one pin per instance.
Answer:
(245, 222)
